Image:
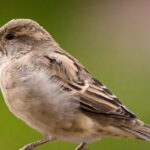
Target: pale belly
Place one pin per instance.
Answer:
(40, 104)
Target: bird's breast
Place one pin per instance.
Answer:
(37, 100)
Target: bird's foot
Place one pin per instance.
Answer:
(81, 147)
(33, 145)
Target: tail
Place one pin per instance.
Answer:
(140, 131)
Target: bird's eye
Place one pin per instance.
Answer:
(10, 36)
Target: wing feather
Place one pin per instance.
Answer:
(76, 80)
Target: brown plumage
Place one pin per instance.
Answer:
(53, 93)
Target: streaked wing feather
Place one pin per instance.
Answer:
(75, 79)
(103, 104)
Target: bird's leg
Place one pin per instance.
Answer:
(37, 143)
(81, 146)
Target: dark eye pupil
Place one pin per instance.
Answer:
(10, 36)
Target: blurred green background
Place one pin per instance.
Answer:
(111, 38)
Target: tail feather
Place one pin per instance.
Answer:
(140, 132)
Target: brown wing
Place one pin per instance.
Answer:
(75, 79)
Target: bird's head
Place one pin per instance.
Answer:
(20, 36)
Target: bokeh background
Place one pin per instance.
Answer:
(111, 38)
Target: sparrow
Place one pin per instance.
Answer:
(53, 93)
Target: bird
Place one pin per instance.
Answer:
(49, 90)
